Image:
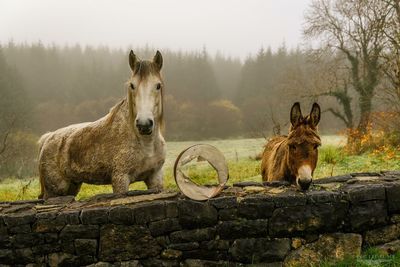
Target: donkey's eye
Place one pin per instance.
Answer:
(158, 87)
(132, 86)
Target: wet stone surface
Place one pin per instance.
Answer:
(264, 224)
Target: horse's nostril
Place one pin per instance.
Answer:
(150, 123)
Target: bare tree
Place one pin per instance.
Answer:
(353, 28)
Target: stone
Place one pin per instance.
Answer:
(68, 246)
(69, 217)
(154, 262)
(307, 219)
(185, 246)
(171, 209)
(389, 248)
(27, 240)
(395, 218)
(50, 237)
(223, 202)
(227, 214)
(171, 254)
(289, 198)
(72, 232)
(206, 263)
(24, 256)
(46, 215)
(48, 226)
(6, 256)
(297, 242)
(358, 193)
(215, 244)
(382, 235)
(205, 254)
(148, 212)
(65, 259)
(366, 214)
(256, 250)
(122, 243)
(45, 249)
(333, 179)
(20, 229)
(242, 228)
(164, 226)
(85, 247)
(365, 174)
(121, 215)
(94, 216)
(60, 200)
(5, 241)
(329, 247)
(163, 241)
(196, 214)
(186, 236)
(257, 207)
(247, 183)
(393, 200)
(321, 196)
(14, 219)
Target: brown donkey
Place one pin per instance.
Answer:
(124, 146)
(293, 158)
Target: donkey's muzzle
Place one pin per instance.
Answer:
(304, 183)
(145, 127)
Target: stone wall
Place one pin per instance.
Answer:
(250, 223)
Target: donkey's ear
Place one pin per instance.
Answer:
(315, 114)
(132, 60)
(158, 60)
(295, 114)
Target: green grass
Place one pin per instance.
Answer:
(332, 161)
(371, 257)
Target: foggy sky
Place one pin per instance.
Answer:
(235, 28)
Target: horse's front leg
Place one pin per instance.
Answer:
(155, 180)
(120, 183)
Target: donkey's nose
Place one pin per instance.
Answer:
(145, 127)
(304, 183)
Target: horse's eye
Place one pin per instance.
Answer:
(292, 147)
(316, 147)
(132, 86)
(158, 86)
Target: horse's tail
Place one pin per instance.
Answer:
(41, 142)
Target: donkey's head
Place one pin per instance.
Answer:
(303, 141)
(145, 92)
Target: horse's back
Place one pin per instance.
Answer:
(268, 156)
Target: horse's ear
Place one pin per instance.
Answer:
(295, 114)
(132, 60)
(315, 114)
(158, 60)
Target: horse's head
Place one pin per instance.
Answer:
(145, 94)
(303, 141)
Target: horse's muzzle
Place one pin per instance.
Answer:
(145, 127)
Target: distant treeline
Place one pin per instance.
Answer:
(206, 96)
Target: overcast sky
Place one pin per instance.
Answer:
(236, 28)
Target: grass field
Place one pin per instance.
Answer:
(332, 161)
